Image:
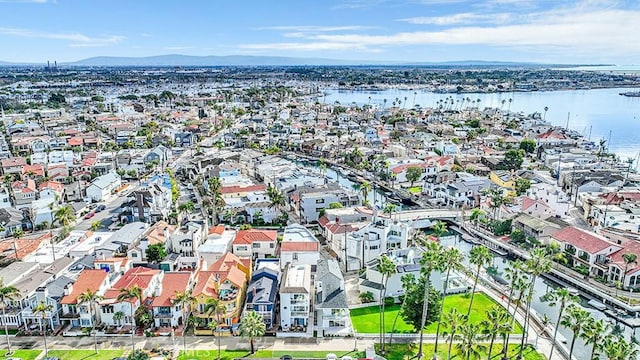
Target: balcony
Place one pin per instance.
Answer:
(163, 315)
(70, 315)
(303, 314)
(228, 295)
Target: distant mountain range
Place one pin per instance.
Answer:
(247, 60)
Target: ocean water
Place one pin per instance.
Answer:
(597, 112)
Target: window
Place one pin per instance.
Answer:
(272, 245)
(107, 309)
(295, 256)
(85, 322)
(256, 245)
(373, 247)
(134, 254)
(319, 201)
(319, 209)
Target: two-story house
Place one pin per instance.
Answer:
(586, 250)
(102, 187)
(24, 192)
(80, 314)
(255, 243)
(13, 166)
(331, 305)
(295, 298)
(262, 293)
(299, 246)
(167, 313)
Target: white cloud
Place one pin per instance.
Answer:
(316, 29)
(460, 18)
(75, 39)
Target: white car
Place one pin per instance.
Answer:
(332, 357)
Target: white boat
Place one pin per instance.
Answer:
(597, 305)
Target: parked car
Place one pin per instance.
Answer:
(89, 215)
(286, 357)
(101, 207)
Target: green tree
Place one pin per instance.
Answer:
(252, 326)
(64, 215)
(131, 295)
(187, 207)
(495, 323)
(413, 302)
(365, 188)
(184, 300)
(528, 145)
(629, 258)
(214, 307)
(468, 346)
(91, 298)
(518, 284)
(414, 173)
(522, 185)
(451, 261)
(156, 253)
(386, 267)
(431, 261)
(479, 256)
(513, 159)
(43, 309)
(477, 215)
(453, 320)
(575, 320)
(558, 297)
(617, 348)
(335, 205)
(214, 194)
(7, 293)
(595, 332)
(96, 225)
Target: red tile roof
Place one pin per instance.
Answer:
(240, 189)
(37, 169)
(253, 235)
(13, 161)
(299, 246)
(75, 141)
(89, 279)
(581, 239)
(172, 283)
(139, 276)
(218, 230)
(55, 185)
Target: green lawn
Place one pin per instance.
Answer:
(23, 354)
(85, 354)
(415, 190)
(407, 351)
(366, 320)
(233, 354)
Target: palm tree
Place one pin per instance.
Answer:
(431, 261)
(479, 256)
(64, 215)
(453, 319)
(496, 322)
(468, 346)
(184, 300)
(252, 326)
(438, 229)
(187, 207)
(276, 198)
(365, 188)
(386, 267)
(617, 348)
(118, 316)
(96, 225)
(519, 283)
(7, 293)
(540, 262)
(594, 333)
(131, 295)
(215, 195)
(452, 261)
(575, 320)
(562, 297)
(43, 308)
(91, 298)
(213, 307)
(476, 215)
(629, 258)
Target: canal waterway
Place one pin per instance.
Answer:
(594, 113)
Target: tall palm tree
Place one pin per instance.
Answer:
(438, 229)
(431, 261)
(468, 346)
(213, 307)
(214, 193)
(476, 215)
(629, 258)
(252, 326)
(479, 256)
(185, 300)
(558, 297)
(617, 348)
(43, 308)
(594, 333)
(453, 319)
(131, 295)
(276, 198)
(575, 320)
(91, 298)
(7, 293)
(386, 267)
(64, 215)
(519, 283)
(365, 188)
(496, 322)
(451, 261)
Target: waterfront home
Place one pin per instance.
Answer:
(146, 279)
(505, 181)
(532, 226)
(295, 298)
(314, 200)
(166, 313)
(262, 293)
(552, 196)
(77, 314)
(226, 280)
(331, 305)
(586, 250)
(298, 246)
(255, 243)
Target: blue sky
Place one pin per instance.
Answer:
(558, 31)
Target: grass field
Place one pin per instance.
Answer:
(367, 321)
(23, 354)
(233, 354)
(85, 354)
(407, 351)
